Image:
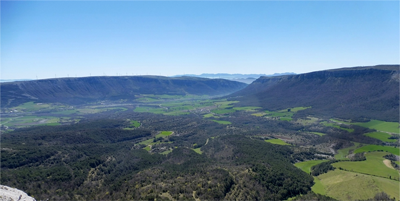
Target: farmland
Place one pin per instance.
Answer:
(372, 166)
(222, 122)
(392, 127)
(370, 148)
(277, 141)
(306, 165)
(381, 136)
(344, 185)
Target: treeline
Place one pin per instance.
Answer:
(322, 168)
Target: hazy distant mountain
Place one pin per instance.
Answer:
(87, 89)
(371, 92)
(13, 80)
(245, 78)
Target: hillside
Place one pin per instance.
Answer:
(351, 93)
(88, 89)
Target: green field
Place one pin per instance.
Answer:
(284, 115)
(318, 187)
(222, 122)
(148, 148)
(135, 124)
(150, 109)
(164, 134)
(31, 107)
(373, 166)
(209, 115)
(381, 136)
(342, 153)
(197, 150)
(318, 133)
(337, 126)
(248, 109)
(25, 121)
(306, 165)
(285, 119)
(277, 141)
(368, 148)
(392, 127)
(259, 114)
(224, 103)
(343, 185)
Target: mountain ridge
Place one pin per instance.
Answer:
(370, 92)
(80, 90)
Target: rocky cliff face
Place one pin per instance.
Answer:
(12, 194)
(371, 92)
(80, 90)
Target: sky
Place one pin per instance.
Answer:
(47, 39)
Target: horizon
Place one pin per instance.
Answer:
(67, 39)
(189, 75)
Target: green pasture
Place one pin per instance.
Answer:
(392, 127)
(277, 141)
(344, 185)
(381, 136)
(164, 134)
(150, 110)
(222, 122)
(373, 166)
(135, 124)
(197, 150)
(318, 187)
(209, 115)
(147, 148)
(224, 104)
(370, 148)
(31, 106)
(31, 121)
(342, 153)
(259, 114)
(306, 165)
(285, 119)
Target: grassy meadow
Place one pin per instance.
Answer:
(381, 136)
(344, 185)
(277, 141)
(370, 148)
(306, 165)
(373, 166)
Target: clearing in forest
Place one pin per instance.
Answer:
(277, 141)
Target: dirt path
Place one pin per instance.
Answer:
(206, 142)
(388, 164)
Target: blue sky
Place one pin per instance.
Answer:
(77, 38)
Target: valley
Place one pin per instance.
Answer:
(204, 146)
